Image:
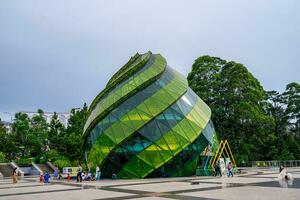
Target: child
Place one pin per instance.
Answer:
(41, 178)
(68, 177)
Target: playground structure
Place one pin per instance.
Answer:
(222, 153)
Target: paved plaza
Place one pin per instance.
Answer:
(256, 184)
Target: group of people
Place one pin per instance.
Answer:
(87, 176)
(219, 172)
(81, 176)
(45, 177)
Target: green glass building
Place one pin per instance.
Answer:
(147, 122)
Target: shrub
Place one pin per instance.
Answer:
(51, 155)
(2, 157)
(62, 162)
(24, 162)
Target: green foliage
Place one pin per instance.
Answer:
(24, 162)
(56, 131)
(52, 155)
(72, 137)
(2, 157)
(7, 144)
(35, 138)
(62, 162)
(253, 120)
(291, 98)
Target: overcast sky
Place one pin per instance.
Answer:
(58, 54)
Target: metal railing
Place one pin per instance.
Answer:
(276, 163)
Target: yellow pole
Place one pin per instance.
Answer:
(216, 154)
(220, 154)
(231, 154)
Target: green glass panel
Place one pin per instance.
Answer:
(126, 120)
(163, 145)
(179, 130)
(143, 115)
(118, 132)
(136, 120)
(187, 128)
(127, 130)
(163, 98)
(165, 155)
(109, 134)
(190, 167)
(172, 142)
(125, 174)
(152, 107)
(181, 140)
(105, 142)
(137, 166)
(192, 134)
(151, 156)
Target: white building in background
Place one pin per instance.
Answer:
(62, 117)
(7, 126)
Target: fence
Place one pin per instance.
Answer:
(276, 163)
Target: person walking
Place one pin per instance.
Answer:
(230, 169)
(98, 173)
(218, 169)
(15, 176)
(79, 173)
(56, 173)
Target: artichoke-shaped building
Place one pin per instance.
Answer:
(147, 122)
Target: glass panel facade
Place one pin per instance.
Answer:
(140, 115)
(156, 130)
(128, 105)
(172, 141)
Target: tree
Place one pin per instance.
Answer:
(291, 97)
(21, 134)
(236, 99)
(56, 130)
(275, 108)
(72, 137)
(7, 143)
(285, 109)
(38, 134)
(205, 77)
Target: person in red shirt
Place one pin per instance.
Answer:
(68, 177)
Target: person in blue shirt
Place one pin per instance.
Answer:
(56, 173)
(47, 178)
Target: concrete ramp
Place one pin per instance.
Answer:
(6, 169)
(45, 168)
